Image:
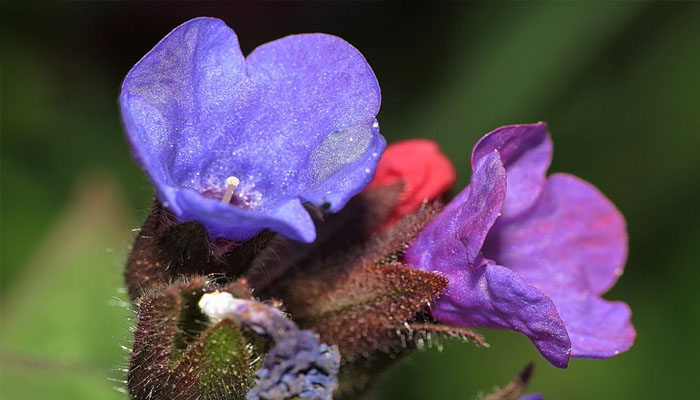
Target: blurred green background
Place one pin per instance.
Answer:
(619, 84)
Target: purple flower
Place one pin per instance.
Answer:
(530, 253)
(239, 143)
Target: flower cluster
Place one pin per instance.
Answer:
(288, 256)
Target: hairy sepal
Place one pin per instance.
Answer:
(358, 296)
(359, 311)
(166, 250)
(177, 353)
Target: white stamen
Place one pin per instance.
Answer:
(232, 183)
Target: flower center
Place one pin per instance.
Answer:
(233, 192)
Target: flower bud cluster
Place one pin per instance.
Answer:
(282, 259)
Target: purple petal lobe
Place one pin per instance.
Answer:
(526, 152)
(294, 122)
(573, 237)
(495, 297)
(289, 219)
(169, 100)
(334, 138)
(453, 240)
(572, 246)
(597, 328)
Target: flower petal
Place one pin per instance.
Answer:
(526, 152)
(344, 164)
(573, 237)
(318, 106)
(293, 122)
(495, 297)
(174, 100)
(453, 240)
(572, 246)
(222, 220)
(597, 328)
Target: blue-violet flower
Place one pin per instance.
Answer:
(530, 253)
(239, 143)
